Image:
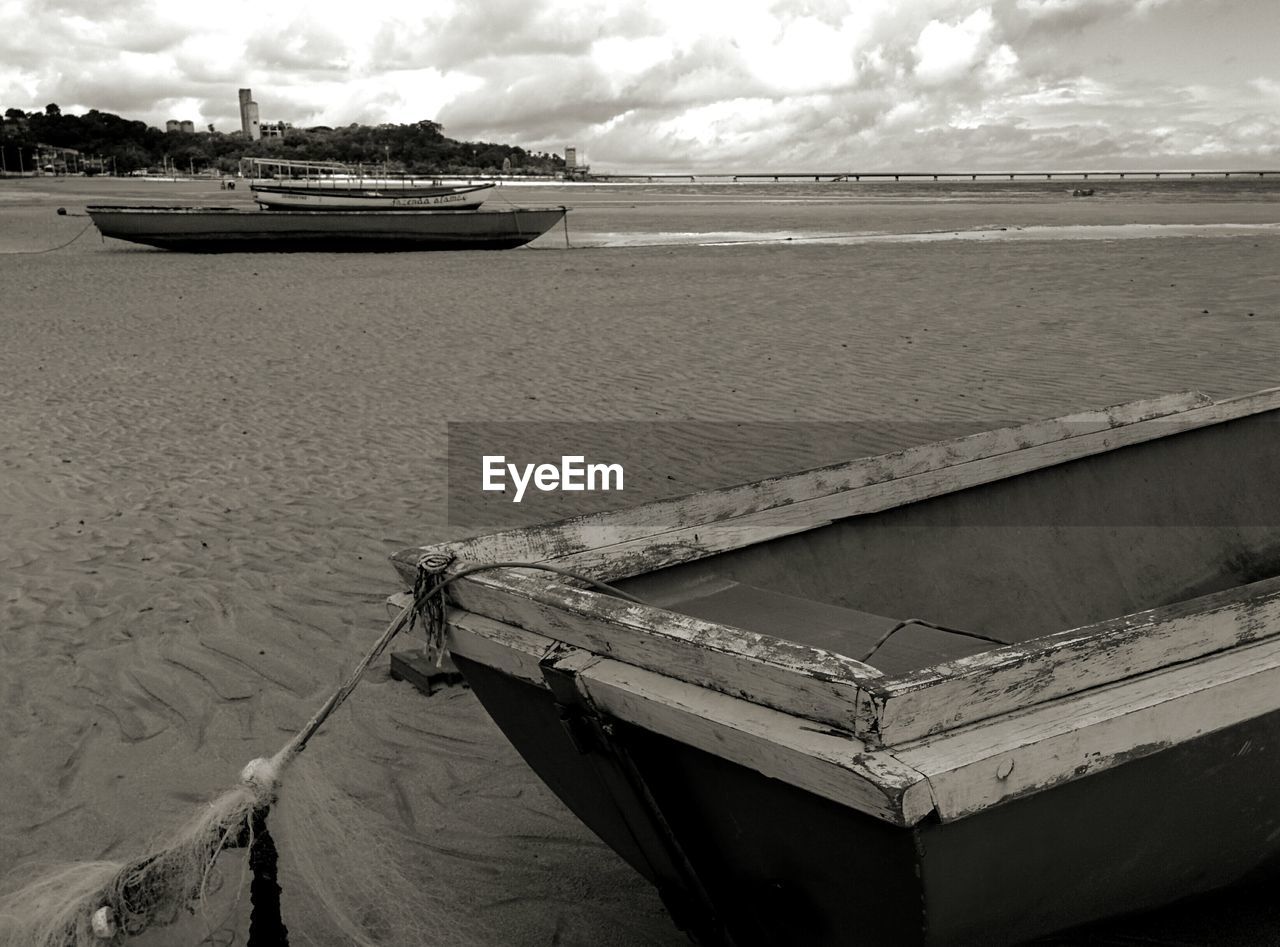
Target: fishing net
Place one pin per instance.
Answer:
(323, 834)
(58, 909)
(336, 860)
(337, 873)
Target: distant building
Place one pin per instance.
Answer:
(171, 125)
(573, 170)
(52, 159)
(274, 129)
(249, 116)
(188, 127)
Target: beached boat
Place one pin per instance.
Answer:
(327, 195)
(233, 229)
(973, 691)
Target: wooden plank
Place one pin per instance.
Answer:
(709, 537)
(1007, 678)
(991, 762)
(581, 534)
(497, 645)
(721, 520)
(772, 671)
(957, 773)
(778, 674)
(502, 647)
(830, 763)
(421, 671)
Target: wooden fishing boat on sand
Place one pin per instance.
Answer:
(234, 229)
(327, 195)
(973, 691)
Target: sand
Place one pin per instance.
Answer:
(205, 461)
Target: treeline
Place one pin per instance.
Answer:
(420, 148)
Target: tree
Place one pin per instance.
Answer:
(127, 157)
(420, 148)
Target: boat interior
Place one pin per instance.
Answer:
(1139, 527)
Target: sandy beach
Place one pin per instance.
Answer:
(205, 462)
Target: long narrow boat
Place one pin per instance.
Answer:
(233, 229)
(325, 195)
(974, 691)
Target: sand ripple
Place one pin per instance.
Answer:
(204, 462)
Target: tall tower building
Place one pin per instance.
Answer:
(249, 115)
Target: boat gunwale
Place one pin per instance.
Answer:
(834, 688)
(830, 762)
(953, 775)
(568, 539)
(831, 687)
(350, 189)
(235, 210)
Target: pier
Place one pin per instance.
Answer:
(844, 176)
(993, 175)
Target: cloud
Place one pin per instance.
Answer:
(946, 51)
(673, 84)
(1267, 87)
(1074, 14)
(301, 48)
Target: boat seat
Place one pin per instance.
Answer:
(834, 628)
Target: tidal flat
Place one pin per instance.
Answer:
(205, 462)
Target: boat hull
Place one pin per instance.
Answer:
(235, 230)
(1082, 720)
(757, 861)
(339, 198)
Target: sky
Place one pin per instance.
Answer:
(694, 85)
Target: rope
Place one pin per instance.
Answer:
(431, 606)
(565, 220)
(928, 624)
(423, 593)
(147, 892)
(429, 602)
(60, 246)
(266, 927)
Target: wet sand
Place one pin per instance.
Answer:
(205, 462)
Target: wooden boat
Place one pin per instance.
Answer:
(969, 692)
(327, 195)
(233, 229)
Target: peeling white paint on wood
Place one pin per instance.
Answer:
(962, 736)
(956, 773)
(1008, 678)
(780, 674)
(830, 763)
(1094, 730)
(580, 535)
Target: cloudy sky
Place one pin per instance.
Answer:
(823, 85)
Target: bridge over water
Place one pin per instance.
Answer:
(837, 176)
